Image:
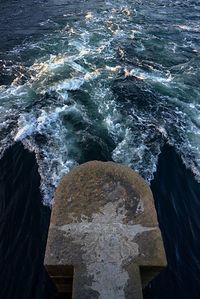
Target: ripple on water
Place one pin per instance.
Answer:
(113, 83)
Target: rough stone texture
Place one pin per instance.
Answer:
(104, 224)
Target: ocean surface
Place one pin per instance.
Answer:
(105, 80)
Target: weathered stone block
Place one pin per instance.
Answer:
(104, 224)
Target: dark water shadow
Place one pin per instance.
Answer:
(177, 200)
(23, 227)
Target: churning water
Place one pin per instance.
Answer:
(106, 80)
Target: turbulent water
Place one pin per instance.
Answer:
(106, 80)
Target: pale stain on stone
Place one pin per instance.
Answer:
(107, 245)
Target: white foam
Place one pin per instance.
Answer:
(69, 84)
(90, 61)
(25, 131)
(156, 77)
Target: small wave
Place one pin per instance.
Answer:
(64, 107)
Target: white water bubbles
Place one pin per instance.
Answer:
(66, 110)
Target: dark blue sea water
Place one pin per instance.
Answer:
(105, 80)
(23, 227)
(177, 201)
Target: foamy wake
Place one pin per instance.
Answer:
(68, 96)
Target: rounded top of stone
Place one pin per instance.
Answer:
(103, 192)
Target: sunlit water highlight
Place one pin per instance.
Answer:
(112, 83)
